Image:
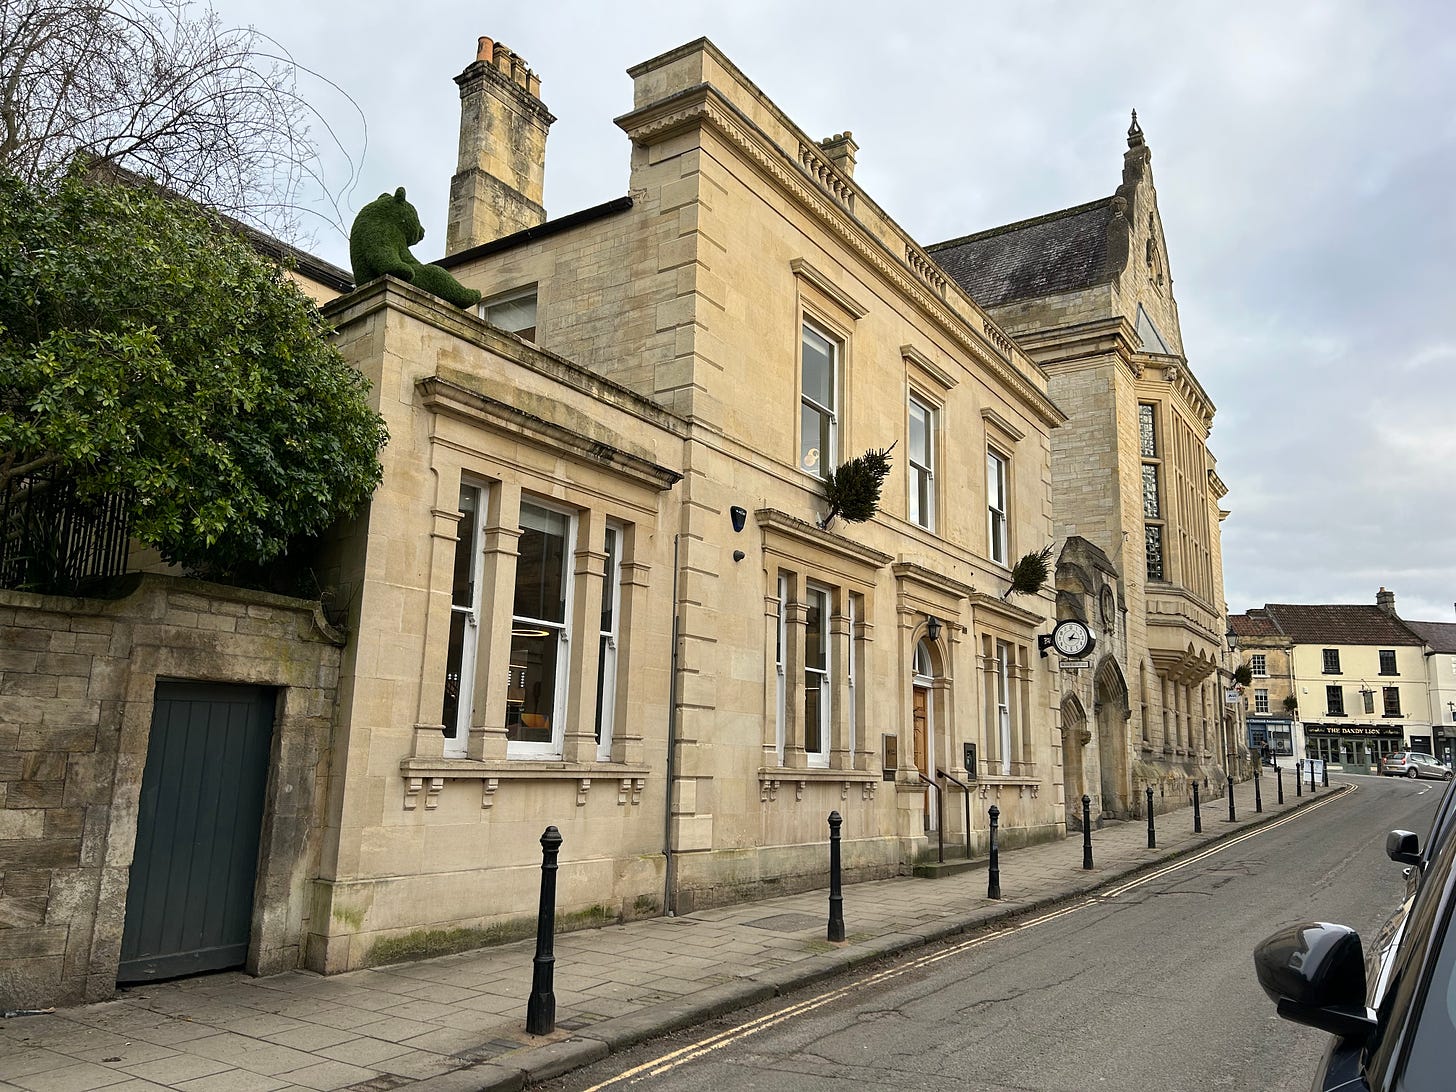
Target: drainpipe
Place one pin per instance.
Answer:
(669, 905)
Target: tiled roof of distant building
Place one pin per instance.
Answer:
(1441, 636)
(1339, 623)
(1058, 252)
(1256, 623)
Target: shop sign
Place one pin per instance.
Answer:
(1355, 730)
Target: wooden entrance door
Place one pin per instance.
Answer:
(920, 728)
(189, 900)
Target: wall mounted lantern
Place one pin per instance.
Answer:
(932, 628)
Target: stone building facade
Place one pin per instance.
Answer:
(1088, 292)
(595, 589)
(1361, 677)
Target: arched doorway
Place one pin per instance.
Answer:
(1110, 703)
(1074, 742)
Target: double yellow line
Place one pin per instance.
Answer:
(660, 1065)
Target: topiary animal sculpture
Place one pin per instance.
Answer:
(379, 243)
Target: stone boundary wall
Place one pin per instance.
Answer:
(77, 681)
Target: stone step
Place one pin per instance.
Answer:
(936, 870)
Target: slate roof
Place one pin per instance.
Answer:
(1441, 636)
(1331, 624)
(1058, 252)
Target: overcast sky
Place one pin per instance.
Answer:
(1304, 154)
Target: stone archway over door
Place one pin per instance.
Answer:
(1074, 747)
(1111, 705)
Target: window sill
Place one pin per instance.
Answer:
(815, 773)
(771, 777)
(425, 777)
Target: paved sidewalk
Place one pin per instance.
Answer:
(457, 1023)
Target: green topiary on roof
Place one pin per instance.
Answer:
(379, 243)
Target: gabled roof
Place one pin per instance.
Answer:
(1333, 624)
(1441, 636)
(1058, 252)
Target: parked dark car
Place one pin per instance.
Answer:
(1391, 1010)
(1414, 764)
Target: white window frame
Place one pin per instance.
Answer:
(1259, 665)
(457, 746)
(553, 749)
(781, 681)
(1261, 701)
(1003, 702)
(819, 758)
(606, 714)
(921, 470)
(515, 295)
(827, 461)
(854, 609)
(998, 488)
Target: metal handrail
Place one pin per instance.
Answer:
(939, 816)
(967, 790)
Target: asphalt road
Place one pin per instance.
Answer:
(1148, 987)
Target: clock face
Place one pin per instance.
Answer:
(1071, 638)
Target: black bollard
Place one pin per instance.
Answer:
(836, 900)
(1311, 777)
(993, 873)
(1279, 781)
(1258, 795)
(1152, 833)
(1086, 831)
(1197, 814)
(1230, 787)
(1299, 778)
(1325, 775)
(541, 1007)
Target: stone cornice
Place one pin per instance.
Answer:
(391, 294)
(705, 105)
(1175, 371)
(912, 572)
(933, 371)
(806, 272)
(773, 522)
(994, 604)
(442, 396)
(1058, 345)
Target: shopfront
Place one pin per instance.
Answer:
(1354, 746)
(1277, 733)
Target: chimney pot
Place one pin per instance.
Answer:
(484, 49)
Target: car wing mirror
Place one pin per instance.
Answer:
(1314, 972)
(1403, 847)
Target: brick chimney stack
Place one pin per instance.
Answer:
(1385, 600)
(500, 179)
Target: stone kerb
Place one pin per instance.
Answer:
(77, 680)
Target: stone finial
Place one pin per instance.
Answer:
(840, 150)
(1135, 133)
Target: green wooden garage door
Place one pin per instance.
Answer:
(189, 902)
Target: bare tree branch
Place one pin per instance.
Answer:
(162, 88)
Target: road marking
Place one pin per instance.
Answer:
(671, 1060)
